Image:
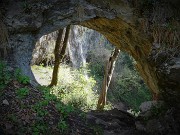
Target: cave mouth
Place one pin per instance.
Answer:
(128, 26)
(86, 56)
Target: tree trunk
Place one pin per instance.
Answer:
(59, 54)
(107, 78)
(65, 42)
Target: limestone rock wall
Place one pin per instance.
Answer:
(44, 49)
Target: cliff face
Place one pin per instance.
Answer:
(124, 23)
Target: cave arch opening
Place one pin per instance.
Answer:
(88, 46)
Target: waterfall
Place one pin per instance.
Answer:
(81, 41)
(79, 45)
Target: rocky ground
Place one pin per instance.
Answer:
(114, 122)
(26, 110)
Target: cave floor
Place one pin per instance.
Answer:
(35, 114)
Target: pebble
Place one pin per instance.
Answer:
(5, 102)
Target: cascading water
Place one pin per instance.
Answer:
(78, 45)
(81, 41)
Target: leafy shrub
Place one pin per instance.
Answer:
(65, 110)
(97, 70)
(62, 126)
(22, 92)
(38, 108)
(75, 88)
(39, 128)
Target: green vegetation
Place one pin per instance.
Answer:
(39, 128)
(130, 90)
(126, 86)
(39, 107)
(129, 86)
(80, 91)
(62, 126)
(6, 76)
(74, 87)
(74, 91)
(22, 92)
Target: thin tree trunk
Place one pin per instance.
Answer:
(63, 50)
(57, 58)
(107, 78)
(59, 54)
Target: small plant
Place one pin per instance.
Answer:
(22, 92)
(20, 77)
(39, 128)
(48, 96)
(65, 110)
(62, 126)
(39, 108)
